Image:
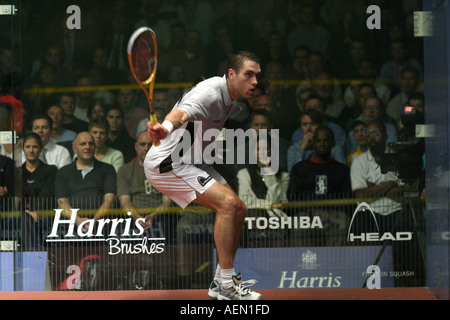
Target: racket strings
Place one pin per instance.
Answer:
(143, 58)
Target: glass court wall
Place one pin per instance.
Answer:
(312, 231)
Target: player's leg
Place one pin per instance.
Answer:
(230, 215)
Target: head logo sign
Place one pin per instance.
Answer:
(375, 236)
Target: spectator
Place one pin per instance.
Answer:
(97, 108)
(302, 149)
(118, 137)
(391, 71)
(190, 57)
(38, 186)
(374, 110)
(126, 98)
(298, 70)
(84, 94)
(409, 83)
(309, 33)
(52, 153)
(99, 128)
(317, 103)
(262, 120)
(86, 183)
(70, 122)
(59, 133)
(367, 179)
(359, 129)
(135, 193)
(263, 192)
(321, 177)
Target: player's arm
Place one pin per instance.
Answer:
(173, 120)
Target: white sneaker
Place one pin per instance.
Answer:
(213, 289)
(239, 290)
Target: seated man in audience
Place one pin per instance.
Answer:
(135, 193)
(303, 150)
(374, 110)
(70, 122)
(86, 183)
(321, 177)
(118, 137)
(59, 133)
(52, 153)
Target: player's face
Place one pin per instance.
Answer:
(243, 83)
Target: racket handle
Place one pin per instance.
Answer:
(154, 121)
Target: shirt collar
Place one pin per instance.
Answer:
(225, 93)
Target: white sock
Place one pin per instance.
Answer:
(226, 275)
(218, 275)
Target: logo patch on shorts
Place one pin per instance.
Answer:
(203, 181)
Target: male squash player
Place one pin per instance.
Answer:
(174, 170)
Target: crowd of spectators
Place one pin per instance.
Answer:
(322, 67)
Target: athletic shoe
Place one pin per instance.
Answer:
(214, 289)
(239, 291)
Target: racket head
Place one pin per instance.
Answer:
(142, 52)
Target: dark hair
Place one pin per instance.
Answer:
(32, 135)
(237, 60)
(330, 132)
(42, 116)
(261, 112)
(315, 115)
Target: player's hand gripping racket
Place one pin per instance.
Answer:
(143, 58)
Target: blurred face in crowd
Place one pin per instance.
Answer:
(364, 93)
(142, 145)
(308, 125)
(263, 152)
(100, 135)
(323, 142)
(31, 149)
(98, 111)
(315, 104)
(126, 98)
(359, 134)
(68, 105)
(83, 91)
(372, 109)
(263, 102)
(324, 85)
(409, 82)
(56, 113)
(259, 122)
(84, 146)
(42, 128)
(115, 120)
(161, 100)
(376, 137)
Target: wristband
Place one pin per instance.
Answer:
(168, 125)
